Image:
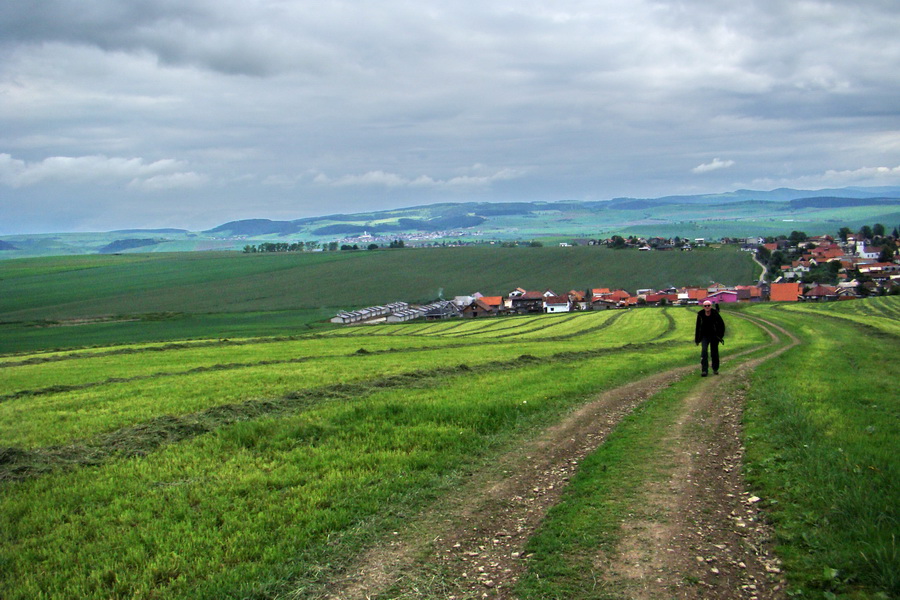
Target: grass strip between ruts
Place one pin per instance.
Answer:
(605, 491)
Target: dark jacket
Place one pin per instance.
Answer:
(711, 327)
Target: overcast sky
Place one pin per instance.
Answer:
(190, 113)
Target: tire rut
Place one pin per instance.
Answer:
(699, 533)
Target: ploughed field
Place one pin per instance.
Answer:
(271, 467)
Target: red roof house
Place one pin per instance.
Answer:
(784, 292)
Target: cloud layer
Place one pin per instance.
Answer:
(210, 111)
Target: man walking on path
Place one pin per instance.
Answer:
(710, 332)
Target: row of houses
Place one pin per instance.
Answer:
(521, 301)
(849, 257)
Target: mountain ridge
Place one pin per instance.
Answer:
(466, 215)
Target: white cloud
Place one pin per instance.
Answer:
(382, 178)
(188, 180)
(99, 170)
(269, 103)
(715, 165)
(863, 176)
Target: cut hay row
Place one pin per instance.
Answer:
(239, 482)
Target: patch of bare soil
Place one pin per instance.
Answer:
(696, 535)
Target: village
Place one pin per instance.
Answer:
(854, 266)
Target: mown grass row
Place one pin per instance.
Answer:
(58, 417)
(71, 369)
(272, 504)
(259, 503)
(876, 314)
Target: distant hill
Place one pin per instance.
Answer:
(741, 213)
(537, 218)
(122, 245)
(129, 231)
(6, 246)
(831, 202)
(255, 227)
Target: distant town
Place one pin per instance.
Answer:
(794, 268)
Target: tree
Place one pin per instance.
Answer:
(536, 244)
(844, 233)
(617, 241)
(878, 230)
(887, 254)
(373, 246)
(866, 232)
(797, 236)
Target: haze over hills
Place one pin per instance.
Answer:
(739, 213)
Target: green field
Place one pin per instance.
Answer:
(261, 466)
(79, 301)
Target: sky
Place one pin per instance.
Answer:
(120, 114)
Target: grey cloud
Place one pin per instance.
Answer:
(393, 102)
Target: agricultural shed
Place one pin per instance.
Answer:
(404, 315)
(443, 309)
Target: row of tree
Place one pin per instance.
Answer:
(312, 247)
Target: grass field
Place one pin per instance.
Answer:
(154, 297)
(261, 466)
(823, 430)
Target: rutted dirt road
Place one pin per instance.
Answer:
(698, 534)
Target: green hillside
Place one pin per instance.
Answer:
(743, 213)
(306, 288)
(232, 282)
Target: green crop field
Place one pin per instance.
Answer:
(261, 466)
(61, 302)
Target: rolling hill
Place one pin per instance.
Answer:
(741, 213)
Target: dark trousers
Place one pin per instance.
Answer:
(709, 349)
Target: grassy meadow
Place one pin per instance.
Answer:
(184, 481)
(261, 465)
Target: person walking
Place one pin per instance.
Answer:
(710, 332)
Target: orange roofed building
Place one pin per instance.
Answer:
(785, 292)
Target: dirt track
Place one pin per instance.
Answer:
(699, 537)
